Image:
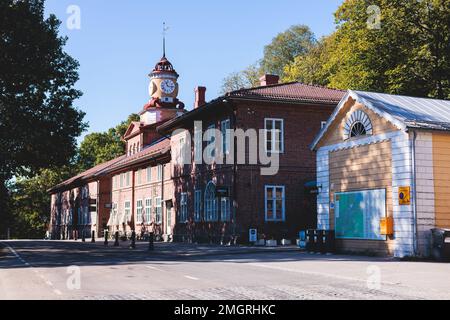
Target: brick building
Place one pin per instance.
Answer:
(149, 188)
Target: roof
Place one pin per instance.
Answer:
(158, 148)
(293, 91)
(86, 175)
(402, 111)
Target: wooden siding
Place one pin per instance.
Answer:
(361, 168)
(441, 162)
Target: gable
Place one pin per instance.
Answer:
(133, 128)
(338, 129)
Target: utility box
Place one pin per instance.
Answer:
(387, 226)
(252, 235)
(440, 244)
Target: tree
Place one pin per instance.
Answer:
(408, 52)
(37, 117)
(285, 47)
(97, 148)
(30, 202)
(244, 79)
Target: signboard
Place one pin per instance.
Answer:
(358, 214)
(252, 235)
(222, 192)
(404, 196)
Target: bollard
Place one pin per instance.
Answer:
(116, 241)
(151, 246)
(93, 236)
(133, 240)
(106, 237)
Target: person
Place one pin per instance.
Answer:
(142, 231)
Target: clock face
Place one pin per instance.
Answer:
(168, 86)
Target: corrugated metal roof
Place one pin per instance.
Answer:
(422, 111)
(294, 91)
(403, 111)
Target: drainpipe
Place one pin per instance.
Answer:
(414, 192)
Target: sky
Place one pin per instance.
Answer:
(118, 43)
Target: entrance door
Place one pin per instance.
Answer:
(169, 210)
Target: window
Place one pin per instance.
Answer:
(148, 210)
(198, 145)
(121, 180)
(139, 211)
(358, 124)
(149, 174)
(275, 203)
(323, 124)
(160, 172)
(274, 135)
(183, 208)
(128, 179)
(182, 151)
(158, 210)
(211, 212)
(211, 138)
(198, 205)
(224, 126)
(114, 216)
(138, 176)
(127, 211)
(225, 209)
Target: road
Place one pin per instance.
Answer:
(72, 270)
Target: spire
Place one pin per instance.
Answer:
(164, 38)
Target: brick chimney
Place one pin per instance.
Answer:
(199, 97)
(269, 79)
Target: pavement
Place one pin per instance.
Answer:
(53, 270)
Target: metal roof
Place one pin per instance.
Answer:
(403, 111)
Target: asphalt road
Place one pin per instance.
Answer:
(69, 270)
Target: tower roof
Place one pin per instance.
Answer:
(164, 66)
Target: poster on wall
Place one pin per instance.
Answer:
(358, 214)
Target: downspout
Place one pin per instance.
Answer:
(414, 192)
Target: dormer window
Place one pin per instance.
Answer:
(357, 125)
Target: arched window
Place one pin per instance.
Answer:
(211, 208)
(358, 124)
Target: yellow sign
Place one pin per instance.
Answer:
(404, 196)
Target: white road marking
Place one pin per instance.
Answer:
(320, 274)
(153, 268)
(192, 278)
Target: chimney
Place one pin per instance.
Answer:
(199, 97)
(269, 79)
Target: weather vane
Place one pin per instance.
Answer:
(165, 28)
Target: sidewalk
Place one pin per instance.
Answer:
(185, 249)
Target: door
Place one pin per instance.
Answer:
(169, 211)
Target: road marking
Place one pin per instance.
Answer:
(153, 268)
(320, 274)
(192, 278)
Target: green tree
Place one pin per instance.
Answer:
(244, 79)
(30, 202)
(285, 47)
(408, 52)
(37, 93)
(100, 147)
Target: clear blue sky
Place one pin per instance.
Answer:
(120, 41)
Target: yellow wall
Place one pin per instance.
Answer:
(441, 163)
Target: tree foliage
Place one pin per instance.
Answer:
(244, 79)
(408, 54)
(99, 147)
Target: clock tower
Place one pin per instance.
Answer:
(163, 90)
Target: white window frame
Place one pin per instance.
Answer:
(121, 180)
(148, 210)
(225, 125)
(139, 210)
(211, 209)
(139, 177)
(158, 210)
(149, 174)
(159, 175)
(323, 124)
(274, 201)
(128, 178)
(198, 205)
(273, 135)
(225, 209)
(183, 207)
(127, 210)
